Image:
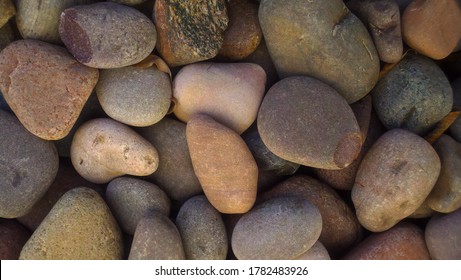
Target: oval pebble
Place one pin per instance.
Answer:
(443, 235)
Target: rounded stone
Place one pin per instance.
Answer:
(13, 236)
(231, 93)
(414, 95)
(202, 230)
(156, 238)
(310, 132)
(443, 235)
(28, 166)
(44, 86)
(131, 199)
(223, 164)
(103, 149)
(394, 179)
(278, 229)
(79, 227)
(107, 35)
(316, 252)
(134, 96)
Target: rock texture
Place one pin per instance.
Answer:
(13, 236)
(443, 234)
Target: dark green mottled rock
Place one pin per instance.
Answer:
(189, 31)
(28, 166)
(280, 228)
(443, 236)
(414, 95)
(130, 199)
(202, 230)
(156, 238)
(13, 236)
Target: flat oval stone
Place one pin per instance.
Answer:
(79, 227)
(134, 96)
(28, 166)
(44, 86)
(223, 164)
(13, 236)
(340, 227)
(321, 39)
(103, 149)
(175, 174)
(156, 238)
(414, 95)
(310, 133)
(394, 179)
(443, 234)
(107, 35)
(202, 230)
(188, 31)
(231, 93)
(278, 229)
(316, 252)
(404, 241)
(131, 199)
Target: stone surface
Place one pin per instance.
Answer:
(39, 20)
(28, 166)
(107, 35)
(321, 39)
(414, 95)
(423, 211)
(6, 36)
(44, 86)
(443, 234)
(340, 227)
(231, 93)
(156, 238)
(128, 2)
(404, 241)
(7, 11)
(103, 149)
(223, 164)
(134, 96)
(13, 236)
(175, 174)
(79, 227)
(455, 128)
(243, 33)
(394, 179)
(432, 27)
(310, 132)
(132, 199)
(202, 230)
(262, 57)
(316, 252)
(189, 32)
(277, 229)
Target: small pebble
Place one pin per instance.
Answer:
(443, 236)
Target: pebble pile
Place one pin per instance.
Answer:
(230, 129)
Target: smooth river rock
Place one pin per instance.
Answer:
(443, 236)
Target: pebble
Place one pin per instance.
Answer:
(44, 86)
(134, 96)
(243, 33)
(202, 230)
(394, 179)
(175, 174)
(189, 32)
(278, 229)
(309, 133)
(79, 227)
(414, 95)
(28, 166)
(404, 241)
(107, 35)
(132, 199)
(321, 39)
(340, 227)
(7, 11)
(316, 252)
(443, 234)
(223, 164)
(103, 149)
(39, 20)
(156, 238)
(13, 236)
(432, 27)
(231, 93)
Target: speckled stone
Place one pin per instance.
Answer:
(79, 227)
(188, 31)
(443, 236)
(28, 166)
(131, 199)
(13, 236)
(44, 86)
(202, 230)
(7, 11)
